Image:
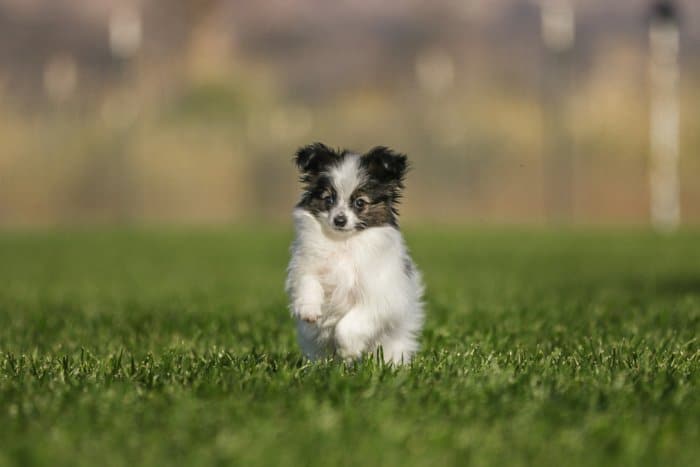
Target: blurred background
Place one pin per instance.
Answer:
(189, 111)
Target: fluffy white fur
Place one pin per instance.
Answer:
(352, 292)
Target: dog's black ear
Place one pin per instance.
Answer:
(385, 165)
(315, 157)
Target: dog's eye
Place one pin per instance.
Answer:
(360, 203)
(329, 200)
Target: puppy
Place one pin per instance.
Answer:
(352, 285)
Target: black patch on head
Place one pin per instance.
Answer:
(386, 171)
(384, 165)
(319, 196)
(379, 209)
(315, 158)
(313, 161)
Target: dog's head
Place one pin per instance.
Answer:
(349, 192)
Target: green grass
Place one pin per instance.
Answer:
(156, 348)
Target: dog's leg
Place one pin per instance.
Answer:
(315, 343)
(399, 347)
(354, 334)
(308, 299)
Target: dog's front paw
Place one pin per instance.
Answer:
(308, 313)
(350, 342)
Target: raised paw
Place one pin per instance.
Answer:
(308, 313)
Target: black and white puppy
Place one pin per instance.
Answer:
(351, 282)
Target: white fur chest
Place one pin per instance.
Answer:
(335, 275)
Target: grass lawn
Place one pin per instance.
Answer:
(156, 348)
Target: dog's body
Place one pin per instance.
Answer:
(352, 285)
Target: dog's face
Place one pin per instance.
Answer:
(348, 192)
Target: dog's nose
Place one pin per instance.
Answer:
(340, 220)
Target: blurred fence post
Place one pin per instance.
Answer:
(558, 34)
(664, 116)
(125, 30)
